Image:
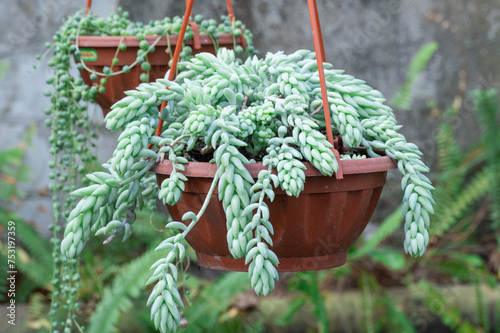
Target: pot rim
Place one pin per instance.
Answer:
(349, 167)
(114, 41)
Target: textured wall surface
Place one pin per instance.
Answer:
(372, 40)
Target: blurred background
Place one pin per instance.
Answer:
(437, 63)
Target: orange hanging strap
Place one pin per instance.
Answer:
(232, 19)
(89, 4)
(196, 30)
(190, 12)
(196, 35)
(230, 11)
(320, 35)
(175, 59)
(320, 58)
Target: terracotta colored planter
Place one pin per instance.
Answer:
(99, 51)
(311, 232)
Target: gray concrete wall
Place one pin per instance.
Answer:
(372, 40)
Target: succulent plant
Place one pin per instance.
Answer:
(73, 135)
(232, 114)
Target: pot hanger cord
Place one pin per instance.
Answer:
(178, 48)
(320, 59)
(89, 4)
(175, 58)
(230, 12)
(232, 19)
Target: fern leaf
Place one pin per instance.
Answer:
(38, 247)
(488, 110)
(307, 282)
(397, 321)
(386, 228)
(402, 99)
(293, 307)
(117, 298)
(481, 310)
(437, 303)
(368, 307)
(37, 311)
(449, 153)
(205, 314)
(33, 257)
(476, 189)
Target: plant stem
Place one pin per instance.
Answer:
(204, 207)
(114, 73)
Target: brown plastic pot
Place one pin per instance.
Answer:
(311, 232)
(99, 51)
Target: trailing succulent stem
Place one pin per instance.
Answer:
(234, 114)
(72, 136)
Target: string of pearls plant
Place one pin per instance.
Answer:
(235, 114)
(72, 134)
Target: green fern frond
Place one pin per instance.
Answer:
(3, 284)
(212, 301)
(37, 246)
(12, 168)
(481, 309)
(451, 182)
(386, 228)
(308, 284)
(293, 307)
(497, 317)
(402, 99)
(476, 189)
(38, 272)
(473, 158)
(396, 320)
(117, 298)
(449, 153)
(36, 306)
(488, 110)
(437, 303)
(368, 304)
(34, 257)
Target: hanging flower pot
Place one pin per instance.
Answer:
(99, 52)
(248, 166)
(243, 164)
(311, 232)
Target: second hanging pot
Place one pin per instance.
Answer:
(99, 51)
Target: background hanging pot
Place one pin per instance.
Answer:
(311, 232)
(99, 51)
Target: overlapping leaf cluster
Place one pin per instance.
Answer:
(72, 134)
(235, 114)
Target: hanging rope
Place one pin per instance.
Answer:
(320, 59)
(230, 12)
(89, 4)
(175, 59)
(190, 12)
